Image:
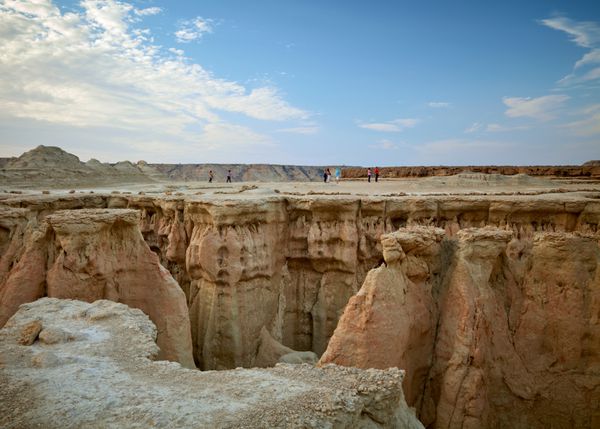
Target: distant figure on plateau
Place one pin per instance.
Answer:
(338, 174)
(368, 175)
(210, 176)
(325, 176)
(328, 175)
(228, 176)
(376, 174)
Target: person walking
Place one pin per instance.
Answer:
(325, 176)
(369, 175)
(210, 176)
(338, 174)
(328, 175)
(228, 176)
(376, 174)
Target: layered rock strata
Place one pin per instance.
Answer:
(288, 264)
(92, 254)
(84, 365)
(498, 329)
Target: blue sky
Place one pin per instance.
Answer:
(303, 82)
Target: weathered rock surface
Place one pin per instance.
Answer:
(286, 263)
(93, 254)
(588, 169)
(503, 333)
(99, 373)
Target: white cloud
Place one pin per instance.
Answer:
(148, 11)
(592, 57)
(193, 30)
(542, 108)
(497, 128)
(590, 124)
(300, 130)
(393, 126)
(385, 145)
(475, 127)
(92, 69)
(438, 104)
(586, 35)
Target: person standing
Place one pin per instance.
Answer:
(369, 175)
(228, 176)
(376, 174)
(325, 176)
(338, 174)
(210, 176)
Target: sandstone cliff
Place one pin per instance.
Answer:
(91, 254)
(498, 329)
(70, 364)
(588, 170)
(288, 264)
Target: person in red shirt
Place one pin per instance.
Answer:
(376, 173)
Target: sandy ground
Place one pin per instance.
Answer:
(462, 184)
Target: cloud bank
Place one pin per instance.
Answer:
(97, 67)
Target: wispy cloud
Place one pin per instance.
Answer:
(300, 130)
(589, 125)
(384, 144)
(194, 29)
(438, 104)
(475, 127)
(91, 68)
(583, 34)
(542, 108)
(478, 127)
(393, 126)
(148, 11)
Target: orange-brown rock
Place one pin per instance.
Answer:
(100, 254)
(516, 329)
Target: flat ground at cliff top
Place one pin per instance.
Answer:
(461, 184)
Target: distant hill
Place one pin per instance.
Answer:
(52, 167)
(587, 170)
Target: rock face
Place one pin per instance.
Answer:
(53, 382)
(499, 329)
(92, 254)
(588, 169)
(286, 263)
(52, 167)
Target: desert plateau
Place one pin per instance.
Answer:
(271, 214)
(469, 300)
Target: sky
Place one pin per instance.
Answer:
(303, 82)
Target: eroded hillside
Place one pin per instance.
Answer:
(506, 317)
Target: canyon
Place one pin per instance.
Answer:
(473, 299)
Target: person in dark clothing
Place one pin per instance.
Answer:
(325, 176)
(228, 176)
(210, 176)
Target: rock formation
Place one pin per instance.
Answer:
(92, 254)
(589, 169)
(505, 334)
(88, 365)
(286, 263)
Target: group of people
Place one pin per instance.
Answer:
(211, 176)
(375, 173)
(327, 175)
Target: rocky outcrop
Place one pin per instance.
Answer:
(93, 254)
(52, 167)
(53, 381)
(286, 263)
(587, 170)
(501, 331)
